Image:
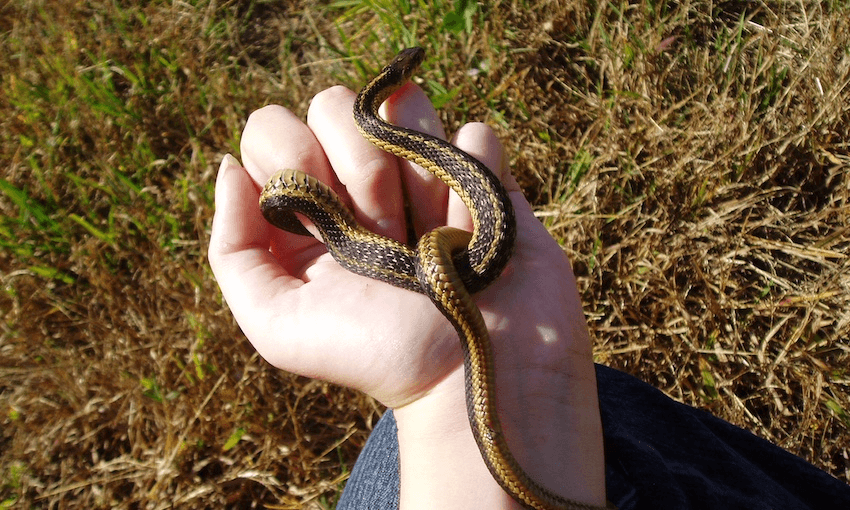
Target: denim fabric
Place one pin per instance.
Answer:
(374, 480)
(659, 454)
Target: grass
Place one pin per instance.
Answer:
(691, 159)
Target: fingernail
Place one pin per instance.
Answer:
(228, 161)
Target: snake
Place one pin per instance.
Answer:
(448, 265)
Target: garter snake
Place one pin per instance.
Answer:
(448, 265)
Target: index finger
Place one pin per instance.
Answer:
(276, 139)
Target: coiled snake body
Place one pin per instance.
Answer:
(448, 264)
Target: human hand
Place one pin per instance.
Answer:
(307, 315)
(300, 309)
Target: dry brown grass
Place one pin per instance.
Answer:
(692, 159)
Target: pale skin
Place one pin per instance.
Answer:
(305, 314)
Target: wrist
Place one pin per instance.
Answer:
(440, 465)
(550, 418)
(551, 423)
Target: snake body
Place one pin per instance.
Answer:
(448, 265)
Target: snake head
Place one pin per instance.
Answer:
(392, 77)
(404, 64)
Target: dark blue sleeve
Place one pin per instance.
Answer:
(663, 454)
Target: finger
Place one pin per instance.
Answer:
(246, 271)
(428, 196)
(370, 175)
(275, 139)
(479, 141)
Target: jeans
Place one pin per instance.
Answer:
(659, 454)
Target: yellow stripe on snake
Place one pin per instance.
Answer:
(448, 265)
